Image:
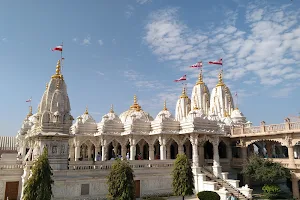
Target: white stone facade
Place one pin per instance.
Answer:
(80, 152)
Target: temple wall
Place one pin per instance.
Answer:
(88, 188)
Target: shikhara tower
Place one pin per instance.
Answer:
(50, 126)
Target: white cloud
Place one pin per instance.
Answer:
(100, 42)
(129, 11)
(267, 50)
(283, 92)
(100, 73)
(141, 82)
(86, 40)
(143, 1)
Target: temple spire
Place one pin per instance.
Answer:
(165, 105)
(86, 110)
(200, 78)
(30, 111)
(183, 94)
(112, 108)
(58, 71)
(220, 82)
(135, 105)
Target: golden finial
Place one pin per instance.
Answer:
(183, 94)
(200, 79)
(165, 105)
(220, 83)
(30, 111)
(195, 104)
(86, 110)
(112, 108)
(135, 105)
(57, 71)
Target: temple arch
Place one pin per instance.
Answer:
(172, 149)
(113, 150)
(187, 147)
(156, 146)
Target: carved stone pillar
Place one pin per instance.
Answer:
(243, 152)
(295, 187)
(169, 152)
(151, 152)
(89, 151)
(195, 156)
(124, 151)
(269, 149)
(97, 150)
(180, 149)
(24, 177)
(72, 153)
(132, 149)
(104, 153)
(163, 149)
(77, 152)
(291, 157)
(216, 157)
(201, 155)
(217, 169)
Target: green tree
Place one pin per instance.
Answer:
(121, 185)
(265, 170)
(39, 185)
(183, 178)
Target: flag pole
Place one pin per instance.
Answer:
(61, 58)
(237, 100)
(30, 101)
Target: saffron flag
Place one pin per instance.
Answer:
(183, 78)
(57, 48)
(217, 62)
(197, 65)
(29, 100)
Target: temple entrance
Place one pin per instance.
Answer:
(11, 190)
(137, 189)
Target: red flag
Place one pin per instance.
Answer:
(217, 62)
(197, 65)
(57, 48)
(183, 78)
(29, 100)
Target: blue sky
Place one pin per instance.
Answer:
(115, 49)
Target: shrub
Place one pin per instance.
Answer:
(208, 195)
(271, 191)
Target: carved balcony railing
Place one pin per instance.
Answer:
(264, 129)
(11, 165)
(135, 164)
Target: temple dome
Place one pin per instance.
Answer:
(165, 113)
(135, 111)
(87, 118)
(237, 116)
(111, 116)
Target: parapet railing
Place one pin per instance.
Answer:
(266, 129)
(106, 165)
(11, 165)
